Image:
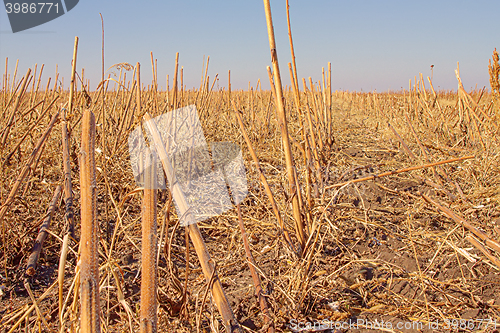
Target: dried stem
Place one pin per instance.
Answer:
(42, 233)
(174, 89)
(479, 233)
(194, 232)
(89, 260)
(255, 276)
(291, 172)
(388, 173)
(149, 246)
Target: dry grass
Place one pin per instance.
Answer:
(376, 249)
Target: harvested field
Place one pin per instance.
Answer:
(399, 204)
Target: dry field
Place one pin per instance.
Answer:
(397, 217)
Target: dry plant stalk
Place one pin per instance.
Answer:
(494, 71)
(291, 172)
(68, 187)
(60, 276)
(42, 234)
(328, 102)
(294, 77)
(388, 173)
(479, 233)
(228, 86)
(207, 266)
(148, 259)
(73, 73)
(139, 88)
(32, 307)
(89, 259)
(149, 280)
(174, 89)
(481, 248)
(403, 143)
(255, 276)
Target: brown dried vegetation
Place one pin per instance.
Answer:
(416, 245)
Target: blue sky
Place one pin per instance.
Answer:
(371, 44)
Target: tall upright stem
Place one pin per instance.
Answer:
(295, 192)
(295, 79)
(89, 267)
(68, 189)
(149, 245)
(174, 92)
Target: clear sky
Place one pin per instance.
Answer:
(371, 44)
